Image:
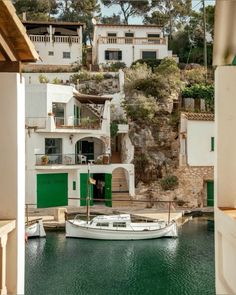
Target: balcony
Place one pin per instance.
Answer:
(71, 159)
(6, 226)
(75, 123)
(133, 41)
(55, 39)
(51, 123)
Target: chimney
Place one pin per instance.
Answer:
(24, 16)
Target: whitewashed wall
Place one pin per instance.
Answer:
(199, 135)
(130, 52)
(43, 48)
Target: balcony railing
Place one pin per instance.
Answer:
(134, 41)
(80, 123)
(55, 39)
(64, 122)
(70, 159)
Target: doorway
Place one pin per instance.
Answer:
(99, 188)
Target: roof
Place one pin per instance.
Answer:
(85, 98)
(224, 49)
(53, 23)
(199, 116)
(15, 45)
(124, 25)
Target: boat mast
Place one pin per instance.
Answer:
(88, 195)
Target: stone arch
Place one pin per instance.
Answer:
(123, 179)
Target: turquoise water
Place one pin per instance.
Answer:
(185, 265)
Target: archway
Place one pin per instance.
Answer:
(88, 149)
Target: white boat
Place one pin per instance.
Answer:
(35, 229)
(119, 227)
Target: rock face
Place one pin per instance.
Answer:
(106, 86)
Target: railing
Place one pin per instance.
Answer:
(55, 39)
(6, 226)
(70, 159)
(80, 123)
(134, 41)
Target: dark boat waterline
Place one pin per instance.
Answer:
(185, 265)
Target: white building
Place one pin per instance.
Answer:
(225, 184)
(128, 43)
(65, 131)
(15, 48)
(57, 43)
(197, 135)
(197, 155)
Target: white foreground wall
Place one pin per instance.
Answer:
(12, 175)
(225, 183)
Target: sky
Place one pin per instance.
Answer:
(196, 4)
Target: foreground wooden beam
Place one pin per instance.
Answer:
(10, 67)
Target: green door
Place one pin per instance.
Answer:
(85, 189)
(210, 193)
(108, 191)
(52, 190)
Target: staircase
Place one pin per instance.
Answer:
(120, 189)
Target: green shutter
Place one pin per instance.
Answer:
(52, 190)
(212, 144)
(108, 191)
(210, 193)
(85, 188)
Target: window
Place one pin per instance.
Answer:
(74, 185)
(212, 144)
(113, 55)
(102, 224)
(51, 53)
(119, 224)
(149, 55)
(129, 38)
(53, 146)
(154, 38)
(66, 54)
(112, 38)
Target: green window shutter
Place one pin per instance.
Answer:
(108, 191)
(212, 144)
(85, 188)
(74, 185)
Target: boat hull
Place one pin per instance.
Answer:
(79, 231)
(35, 230)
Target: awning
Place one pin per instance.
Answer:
(85, 98)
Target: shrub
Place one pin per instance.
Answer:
(81, 76)
(195, 75)
(169, 182)
(99, 77)
(117, 65)
(56, 81)
(113, 129)
(43, 79)
(151, 63)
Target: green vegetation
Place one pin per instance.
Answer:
(43, 79)
(152, 63)
(113, 129)
(200, 91)
(169, 182)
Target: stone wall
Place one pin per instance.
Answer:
(190, 193)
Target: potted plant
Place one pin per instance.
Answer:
(44, 160)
